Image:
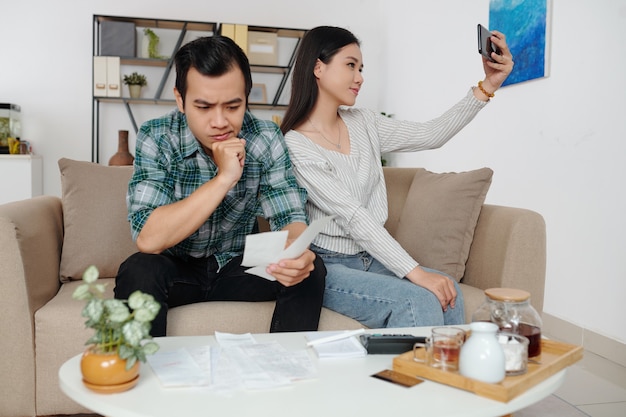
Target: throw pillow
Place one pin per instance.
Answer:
(97, 231)
(437, 223)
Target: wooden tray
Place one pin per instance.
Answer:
(555, 356)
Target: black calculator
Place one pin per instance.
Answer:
(390, 343)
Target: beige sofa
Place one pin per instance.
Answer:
(46, 242)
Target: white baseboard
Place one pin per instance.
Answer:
(611, 349)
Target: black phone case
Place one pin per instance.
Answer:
(485, 46)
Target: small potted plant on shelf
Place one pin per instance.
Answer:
(134, 82)
(150, 45)
(122, 335)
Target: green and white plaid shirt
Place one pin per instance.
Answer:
(170, 164)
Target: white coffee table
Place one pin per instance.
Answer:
(343, 388)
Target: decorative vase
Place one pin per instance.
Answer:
(134, 90)
(106, 372)
(122, 156)
(482, 356)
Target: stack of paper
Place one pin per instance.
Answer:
(337, 344)
(178, 368)
(239, 362)
(262, 249)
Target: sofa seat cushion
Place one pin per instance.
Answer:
(436, 225)
(239, 317)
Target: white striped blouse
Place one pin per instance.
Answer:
(353, 187)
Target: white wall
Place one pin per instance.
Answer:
(556, 145)
(46, 61)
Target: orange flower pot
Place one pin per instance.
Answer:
(106, 372)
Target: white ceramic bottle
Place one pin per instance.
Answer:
(482, 356)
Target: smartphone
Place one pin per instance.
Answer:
(485, 46)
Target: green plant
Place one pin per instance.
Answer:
(153, 43)
(135, 79)
(117, 329)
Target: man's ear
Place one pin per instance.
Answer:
(179, 101)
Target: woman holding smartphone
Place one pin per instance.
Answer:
(336, 156)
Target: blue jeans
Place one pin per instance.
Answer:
(360, 287)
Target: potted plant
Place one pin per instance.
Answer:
(134, 82)
(122, 335)
(150, 45)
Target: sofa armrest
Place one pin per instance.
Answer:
(509, 250)
(31, 237)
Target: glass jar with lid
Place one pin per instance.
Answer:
(10, 126)
(511, 310)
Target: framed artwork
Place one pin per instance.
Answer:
(526, 26)
(258, 94)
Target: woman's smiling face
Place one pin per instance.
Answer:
(341, 79)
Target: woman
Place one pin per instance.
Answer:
(336, 155)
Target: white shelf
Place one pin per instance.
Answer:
(21, 177)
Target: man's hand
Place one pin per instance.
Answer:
(291, 272)
(229, 156)
(168, 225)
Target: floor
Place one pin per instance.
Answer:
(595, 386)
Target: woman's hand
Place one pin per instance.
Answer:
(496, 72)
(438, 284)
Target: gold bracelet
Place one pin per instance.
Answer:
(480, 87)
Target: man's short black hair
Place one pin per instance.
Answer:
(210, 55)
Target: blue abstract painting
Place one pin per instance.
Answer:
(524, 22)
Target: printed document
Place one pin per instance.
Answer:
(263, 249)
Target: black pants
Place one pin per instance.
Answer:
(173, 281)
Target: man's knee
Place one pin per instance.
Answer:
(319, 273)
(142, 271)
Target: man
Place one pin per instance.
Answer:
(202, 174)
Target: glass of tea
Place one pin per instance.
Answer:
(441, 349)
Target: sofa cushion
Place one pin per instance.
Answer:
(437, 223)
(97, 231)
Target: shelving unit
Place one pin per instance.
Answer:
(178, 32)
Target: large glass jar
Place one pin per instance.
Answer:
(511, 310)
(10, 126)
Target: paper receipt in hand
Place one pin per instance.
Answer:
(263, 249)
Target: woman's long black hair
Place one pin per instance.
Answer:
(322, 43)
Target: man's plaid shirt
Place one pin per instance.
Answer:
(170, 164)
